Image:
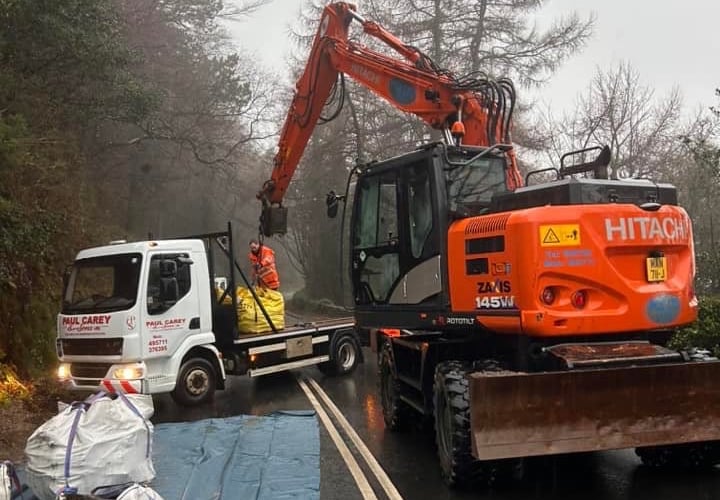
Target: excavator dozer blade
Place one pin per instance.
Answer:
(520, 415)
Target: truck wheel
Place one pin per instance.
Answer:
(196, 382)
(343, 358)
(451, 397)
(396, 413)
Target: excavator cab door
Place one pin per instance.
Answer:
(396, 237)
(376, 239)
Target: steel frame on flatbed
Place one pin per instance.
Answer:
(260, 354)
(278, 343)
(226, 247)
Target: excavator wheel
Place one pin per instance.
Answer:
(452, 432)
(702, 455)
(396, 413)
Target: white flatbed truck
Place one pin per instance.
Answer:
(146, 317)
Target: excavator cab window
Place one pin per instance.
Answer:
(376, 255)
(420, 209)
(472, 181)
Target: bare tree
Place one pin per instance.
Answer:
(211, 110)
(696, 173)
(497, 37)
(619, 111)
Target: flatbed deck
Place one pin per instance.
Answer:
(297, 330)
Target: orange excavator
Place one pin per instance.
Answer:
(522, 318)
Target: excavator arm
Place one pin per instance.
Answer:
(472, 110)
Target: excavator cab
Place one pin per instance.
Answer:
(400, 217)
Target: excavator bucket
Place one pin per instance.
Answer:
(525, 414)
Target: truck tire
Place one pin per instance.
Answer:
(196, 382)
(344, 357)
(396, 413)
(451, 398)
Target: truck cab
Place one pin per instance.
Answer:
(136, 309)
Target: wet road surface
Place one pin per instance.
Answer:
(409, 457)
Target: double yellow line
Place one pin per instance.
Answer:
(360, 479)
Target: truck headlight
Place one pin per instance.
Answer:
(63, 371)
(132, 372)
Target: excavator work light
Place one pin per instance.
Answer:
(548, 296)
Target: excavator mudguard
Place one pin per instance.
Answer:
(525, 414)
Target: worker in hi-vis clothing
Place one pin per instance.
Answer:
(262, 258)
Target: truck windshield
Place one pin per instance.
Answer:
(471, 185)
(102, 284)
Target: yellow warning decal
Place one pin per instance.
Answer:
(560, 235)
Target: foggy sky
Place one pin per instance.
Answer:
(669, 43)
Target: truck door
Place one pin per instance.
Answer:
(171, 304)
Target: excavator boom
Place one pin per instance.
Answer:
(478, 111)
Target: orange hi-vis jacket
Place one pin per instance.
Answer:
(264, 270)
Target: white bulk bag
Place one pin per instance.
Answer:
(9, 484)
(101, 441)
(132, 491)
(139, 492)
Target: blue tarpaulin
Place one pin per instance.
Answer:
(243, 457)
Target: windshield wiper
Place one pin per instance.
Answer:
(120, 301)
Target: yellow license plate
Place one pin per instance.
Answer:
(656, 268)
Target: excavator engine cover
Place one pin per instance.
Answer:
(585, 191)
(525, 414)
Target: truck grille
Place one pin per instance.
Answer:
(89, 370)
(87, 347)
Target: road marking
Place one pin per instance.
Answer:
(352, 465)
(375, 467)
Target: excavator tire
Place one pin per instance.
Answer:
(701, 455)
(451, 397)
(396, 413)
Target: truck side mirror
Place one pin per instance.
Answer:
(169, 290)
(168, 268)
(66, 278)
